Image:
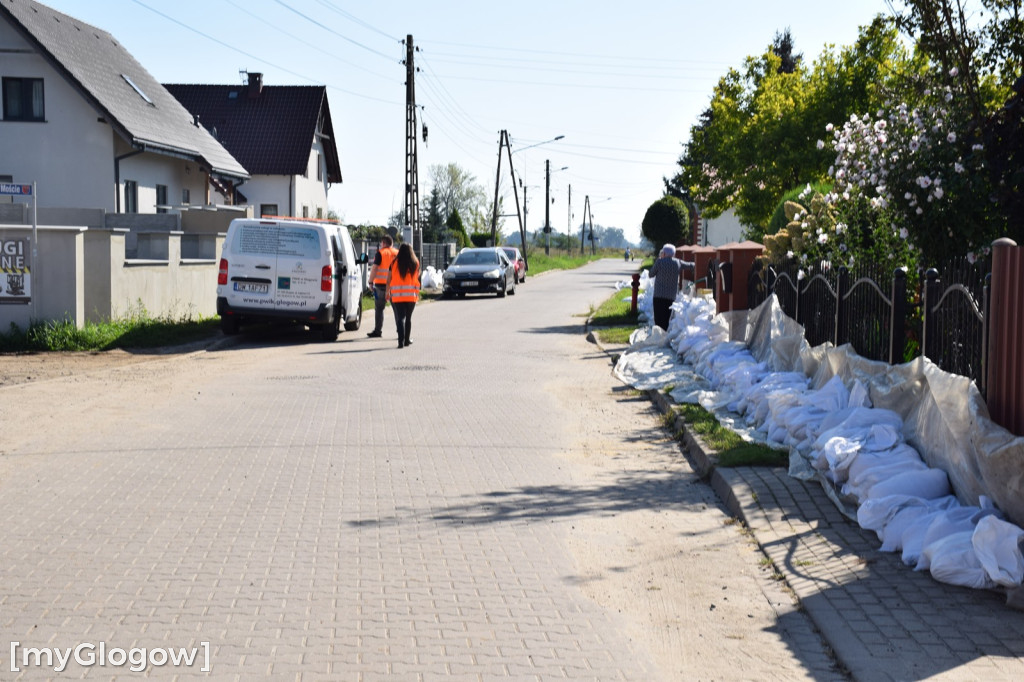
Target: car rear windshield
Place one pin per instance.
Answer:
(477, 258)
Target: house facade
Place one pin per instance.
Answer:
(283, 135)
(86, 122)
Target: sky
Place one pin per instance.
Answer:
(622, 82)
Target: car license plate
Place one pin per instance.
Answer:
(252, 287)
(470, 284)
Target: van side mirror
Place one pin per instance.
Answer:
(363, 259)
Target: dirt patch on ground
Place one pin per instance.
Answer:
(26, 368)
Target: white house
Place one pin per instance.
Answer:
(86, 122)
(282, 134)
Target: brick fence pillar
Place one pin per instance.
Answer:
(1005, 371)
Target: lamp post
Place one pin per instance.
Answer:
(547, 204)
(510, 154)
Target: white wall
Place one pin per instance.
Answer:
(724, 229)
(69, 154)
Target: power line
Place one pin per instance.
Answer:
(332, 31)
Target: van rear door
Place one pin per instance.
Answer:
(277, 267)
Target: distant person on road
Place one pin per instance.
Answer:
(386, 253)
(403, 290)
(667, 272)
(628, 255)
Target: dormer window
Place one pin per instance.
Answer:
(137, 89)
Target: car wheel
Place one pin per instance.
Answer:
(331, 330)
(512, 292)
(354, 324)
(229, 325)
(504, 288)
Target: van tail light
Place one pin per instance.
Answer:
(222, 273)
(326, 279)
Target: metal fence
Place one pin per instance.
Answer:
(882, 318)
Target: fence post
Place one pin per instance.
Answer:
(929, 293)
(842, 323)
(1006, 330)
(898, 321)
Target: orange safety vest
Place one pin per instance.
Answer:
(387, 257)
(405, 288)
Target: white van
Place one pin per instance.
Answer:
(290, 270)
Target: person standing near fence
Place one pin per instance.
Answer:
(386, 253)
(667, 272)
(403, 289)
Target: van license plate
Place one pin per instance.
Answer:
(252, 287)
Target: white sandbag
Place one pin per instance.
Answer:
(883, 470)
(997, 544)
(906, 514)
(954, 562)
(875, 513)
(926, 483)
(945, 523)
(912, 539)
(836, 456)
(866, 461)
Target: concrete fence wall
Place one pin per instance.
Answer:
(82, 274)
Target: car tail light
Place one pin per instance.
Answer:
(326, 278)
(222, 274)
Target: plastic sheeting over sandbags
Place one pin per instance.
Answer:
(894, 441)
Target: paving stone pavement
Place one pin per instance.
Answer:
(351, 511)
(883, 620)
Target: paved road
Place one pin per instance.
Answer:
(486, 504)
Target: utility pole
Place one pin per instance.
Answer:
(568, 229)
(504, 143)
(583, 224)
(547, 206)
(412, 183)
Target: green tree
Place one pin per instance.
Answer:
(757, 139)
(433, 220)
(457, 190)
(456, 230)
(667, 221)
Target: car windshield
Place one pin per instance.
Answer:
(476, 258)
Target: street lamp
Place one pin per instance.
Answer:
(555, 139)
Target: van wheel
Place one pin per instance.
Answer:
(331, 330)
(229, 325)
(354, 324)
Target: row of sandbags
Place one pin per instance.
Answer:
(859, 450)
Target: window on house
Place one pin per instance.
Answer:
(319, 212)
(319, 166)
(23, 99)
(268, 209)
(186, 196)
(131, 196)
(161, 198)
(305, 211)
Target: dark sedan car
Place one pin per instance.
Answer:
(479, 271)
(517, 260)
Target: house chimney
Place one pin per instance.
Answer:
(255, 85)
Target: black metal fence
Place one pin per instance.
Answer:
(944, 317)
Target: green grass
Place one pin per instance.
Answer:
(137, 330)
(614, 320)
(732, 451)
(540, 262)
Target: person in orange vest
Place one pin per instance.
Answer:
(403, 291)
(386, 253)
